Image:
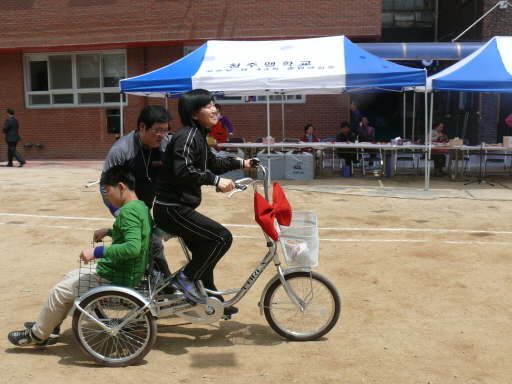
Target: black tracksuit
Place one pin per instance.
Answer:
(189, 164)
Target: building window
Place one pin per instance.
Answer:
(405, 13)
(74, 79)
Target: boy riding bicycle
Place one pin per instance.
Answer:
(122, 263)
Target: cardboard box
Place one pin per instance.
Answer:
(456, 142)
(507, 141)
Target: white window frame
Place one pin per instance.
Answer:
(74, 90)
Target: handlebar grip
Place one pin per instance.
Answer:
(255, 162)
(217, 190)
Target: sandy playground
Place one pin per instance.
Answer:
(424, 280)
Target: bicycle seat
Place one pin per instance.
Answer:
(159, 232)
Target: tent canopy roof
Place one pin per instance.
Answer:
(305, 66)
(489, 69)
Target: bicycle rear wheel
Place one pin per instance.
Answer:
(131, 343)
(318, 310)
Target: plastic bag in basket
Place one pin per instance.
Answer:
(266, 213)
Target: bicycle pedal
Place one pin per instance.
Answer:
(226, 317)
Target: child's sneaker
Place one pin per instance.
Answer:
(26, 338)
(54, 335)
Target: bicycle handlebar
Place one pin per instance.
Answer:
(242, 184)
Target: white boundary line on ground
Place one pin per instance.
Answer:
(257, 226)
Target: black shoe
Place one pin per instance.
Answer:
(26, 338)
(188, 287)
(8, 165)
(228, 311)
(54, 335)
(21, 164)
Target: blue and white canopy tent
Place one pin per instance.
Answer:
(326, 65)
(488, 69)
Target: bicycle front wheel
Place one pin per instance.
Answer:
(130, 344)
(316, 313)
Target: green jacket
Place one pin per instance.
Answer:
(124, 262)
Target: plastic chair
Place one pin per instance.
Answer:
(405, 157)
(465, 159)
(330, 154)
(494, 159)
(367, 157)
(421, 157)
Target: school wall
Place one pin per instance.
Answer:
(153, 32)
(43, 23)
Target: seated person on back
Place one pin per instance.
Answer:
(346, 136)
(439, 155)
(309, 136)
(365, 132)
(121, 263)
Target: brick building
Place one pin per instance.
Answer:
(61, 60)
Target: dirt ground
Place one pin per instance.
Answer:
(425, 286)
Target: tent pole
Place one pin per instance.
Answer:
(282, 113)
(413, 113)
(121, 120)
(268, 141)
(166, 104)
(428, 123)
(404, 114)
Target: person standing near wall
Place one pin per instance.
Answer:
(355, 117)
(12, 137)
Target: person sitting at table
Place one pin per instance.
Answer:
(365, 133)
(346, 136)
(309, 136)
(439, 157)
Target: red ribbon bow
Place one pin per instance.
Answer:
(266, 213)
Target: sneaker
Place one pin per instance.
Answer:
(228, 311)
(26, 338)
(188, 287)
(54, 335)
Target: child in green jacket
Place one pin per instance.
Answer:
(122, 263)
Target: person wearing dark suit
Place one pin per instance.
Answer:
(355, 117)
(12, 137)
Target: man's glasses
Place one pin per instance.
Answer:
(161, 132)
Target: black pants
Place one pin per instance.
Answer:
(439, 160)
(159, 257)
(12, 152)
(349, 157)
(206, 240)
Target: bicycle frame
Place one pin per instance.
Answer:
(177, 306)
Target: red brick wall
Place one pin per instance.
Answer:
(156, 31)
(85, 22)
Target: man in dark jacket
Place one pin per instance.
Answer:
(12, 137)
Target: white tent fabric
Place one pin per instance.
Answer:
(489, 69)
(327, 65)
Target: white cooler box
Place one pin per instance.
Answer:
(235, 175)
(276, 164)
(298, 166)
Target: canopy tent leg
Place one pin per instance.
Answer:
(268, 143)
(404, 114)
(282, 114)
(121, 118)
(413, 113)
(428, 140)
